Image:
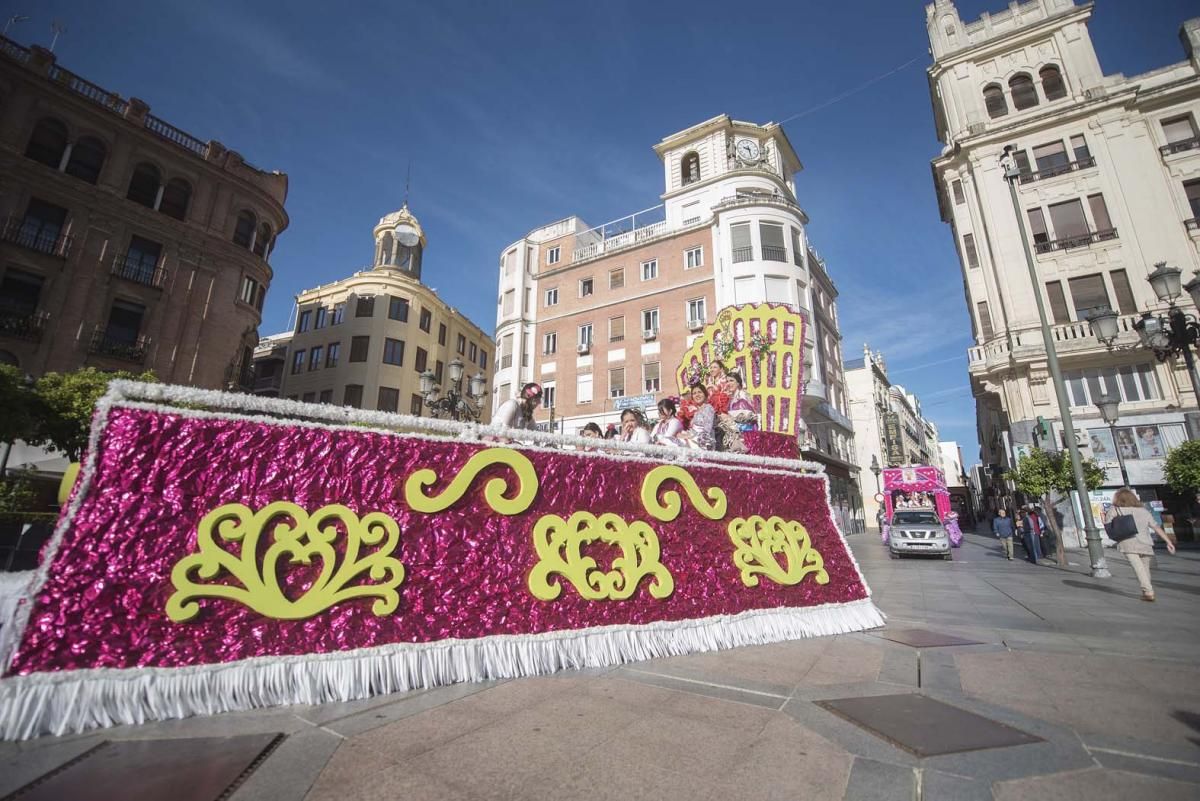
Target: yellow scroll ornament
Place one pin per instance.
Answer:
(559, 544)
(759, 543)
(493, 491)
(291, 543)
(713, 506)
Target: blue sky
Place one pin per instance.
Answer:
(518, 114)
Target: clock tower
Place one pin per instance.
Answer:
(399, 243)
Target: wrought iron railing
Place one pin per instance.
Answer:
(134, 269)
(104, 344)
(1081, 241)
(20, 324)
(1180, 146)
(774, 253)
(1058, 169)
(742, 254)
(1193, 224)
(29, 234)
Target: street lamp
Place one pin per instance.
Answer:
(876, 470)
(1109, 406)
(454, 404)
(1008, 165)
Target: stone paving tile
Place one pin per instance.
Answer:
(292, 768)
(1167, 769)
(1094, 785)
(938, 786)
(358, 719)
(871, 780)
(699, 687)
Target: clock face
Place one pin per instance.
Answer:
(747, 150)
(406, 235)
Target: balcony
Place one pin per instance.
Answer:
(1180, 146)
(23, 325)
(1072, 242)
(1193, 224)
(1058, 169)
(28, 234)
(103, 344)
(1069, 338)
(138, 271)
(774, 253)
(742, 254)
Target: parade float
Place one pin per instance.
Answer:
(224, 552)
(919, 487)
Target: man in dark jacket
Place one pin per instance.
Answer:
(1002, 527)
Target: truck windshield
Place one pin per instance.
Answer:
(915, 517)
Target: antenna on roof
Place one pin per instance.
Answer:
(59, 28)
(15, 19)
(407, 179)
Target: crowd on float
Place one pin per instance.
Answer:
(713, 414)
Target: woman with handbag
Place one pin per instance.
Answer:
(1129, 524)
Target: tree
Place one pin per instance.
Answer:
(1039, 473)
(68, 401)
(1182, 469)
(22, 409)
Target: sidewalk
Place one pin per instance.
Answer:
(1109, 684)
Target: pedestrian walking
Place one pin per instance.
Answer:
(1140, 547)
(1002, 527)
(1029, 536)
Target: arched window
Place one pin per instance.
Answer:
(144, 184)
(177, 195)
(48, 142)
(243, 234)
(1024, 94)
(1052, 83)
(87, 157)
(385, 249)
(262, 242)
(689, 168)
(993, 98)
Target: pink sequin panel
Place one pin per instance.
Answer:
(159, 474)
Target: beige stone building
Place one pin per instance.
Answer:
(364, 341)
(127, 243)
(602, 316)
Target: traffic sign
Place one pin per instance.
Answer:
(633, 402)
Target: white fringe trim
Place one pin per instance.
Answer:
(75, 701)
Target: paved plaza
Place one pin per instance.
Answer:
(1102, 688)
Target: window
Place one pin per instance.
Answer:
(87, 157)
(483, 358)
(297, 361)
(42, 226)
(1133, 382)
(472, 352)
(797, 249)
(365, 307)
(985, 319)
(650, 377)
(1087, 293)
(690, 212)
(322, 316)
(331, 357)
(689, 168)
(303, 323)
(993, 99)
(778, 289)
(693, 257)
(1024, 94)
(585, 334)
(548, 395)
(308, 397)
(262, 242)
(649, 269)
(506, 349)
(1124, 293)
(1175, 129)
(441, 334)
(616, 382)
(47, 143)
(339, 313)
(426, 320)
(616, 278)
(461, 345)
(125, 323)
(505, 391)
(771, 236)
(398, 309)
(421, 363)
(585, 287)
(508, 300)
(1037, 226)
(1050, 155)
(616, 329)
(314, 357)
(176, 197)
(1052, 83)
(552, 297)
(745, 289)
(1058, 302)
(243, 231)
(439, 369)
(358, 348)
(144, 184)
(740, 241)
(352, 396)
(956, 187)
(393, 351)
(696, 312)
(1080, 148)
(1099, 210)
(650, 321)
(969, 250)
(1192, 190)
(326, 396)
(20, 291)
(389, 399)
(1023, 165)
(1068, 220)
(583, 388)
(550, 344)
(553, 255)
(414, 405)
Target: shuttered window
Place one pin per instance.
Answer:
(1124, 293)
(1068, 220)
(985, 319)
(1178, 129)
(1099, 212)
(740, 241)
(969, 250)
(1087, 293)
(1058, 302)
(1037, 225)
(1050, 155)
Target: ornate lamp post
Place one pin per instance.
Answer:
(876, 470)
(1109, 406)
(454, 404)
(1008, 164)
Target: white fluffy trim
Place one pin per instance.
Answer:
(74, 701)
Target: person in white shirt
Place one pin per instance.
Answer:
(633, 428)
(518, 412)
(669, 426)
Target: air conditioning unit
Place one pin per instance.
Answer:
(695, 325)
(584, 348)
(649, 334)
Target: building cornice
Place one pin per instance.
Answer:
(1006, 41)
